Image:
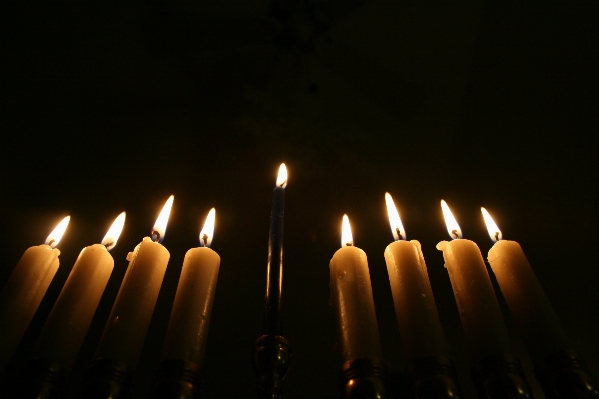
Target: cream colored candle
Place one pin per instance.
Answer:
(480, 313)
(351, 298)
(25, 289)
(67, 325)
(541, 330)
(125, 332)
(190, 318)
(419, 325)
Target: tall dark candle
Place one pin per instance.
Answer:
(274, 267)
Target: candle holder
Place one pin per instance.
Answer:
(434, 377)
(38, 379)
(364, 378)
(271, 359)
(500, 377)
(106, 379)
(177, 379)
(565, 375)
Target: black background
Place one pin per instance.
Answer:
(116, 106)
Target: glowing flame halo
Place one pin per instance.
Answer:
(346, 236)
(397, 228)
(282, 176)
(207, 232)
(56, 235)
(453, 228)
(492, 228)
(114, 232)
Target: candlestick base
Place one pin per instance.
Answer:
(364, 378)
(38, 379)
(271, 359)
(434, 377)
(177, 379)
(500, 377)
(106, 379)
(565, 375)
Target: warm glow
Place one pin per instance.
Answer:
(56, 235)
(492, 228)
(114, 232)
(396, 227)
(346, 237)
(160, 226)
(208, 230)
(452, 225)
(282, 177)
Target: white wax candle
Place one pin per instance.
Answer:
(477, 304)
(69, 320)
(540, 327)
(419, 325)
(25, 289)
(125, 331)
(351, 298)
(190, 318)
(417, 317)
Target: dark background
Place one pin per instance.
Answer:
(116, 106)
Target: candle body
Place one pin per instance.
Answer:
(127, 325)
(67, 325)
(540, 328)
(419, 325)
(351, 298)
(22, 295)
(190, 318)
(274, 267)
(481, 317)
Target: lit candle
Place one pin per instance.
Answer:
(25, 289)
(74, 309)
(528, 304)
(274, 267)
(351, 298)
(190, 317)
(125, 332)
(481, 317)
(419, 325)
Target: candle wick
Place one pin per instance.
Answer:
(348, 244)
(455, 233)
(155, 236)
(51, 242)
(109, 245)
(400, 237)
(496, 236)
(205, 239)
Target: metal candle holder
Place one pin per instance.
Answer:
(38, 379)
(434, 377)
(271, 358)
(500, 377)
(565, 375)
(177, 379)
(364, 378)
(106, 379)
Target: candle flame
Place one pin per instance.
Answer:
(396, 227)
(282, 176)
(159, 228)
(346, 237)
(114, 232)
(208, 230)
(453, 228)
(56, 235)
(492, 228)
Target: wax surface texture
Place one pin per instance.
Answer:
(536, 320)
(125, 332)
(419, 325)
(479, 310)
(190, 318)
(351, 298)
(69, 320)
(22, 295)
